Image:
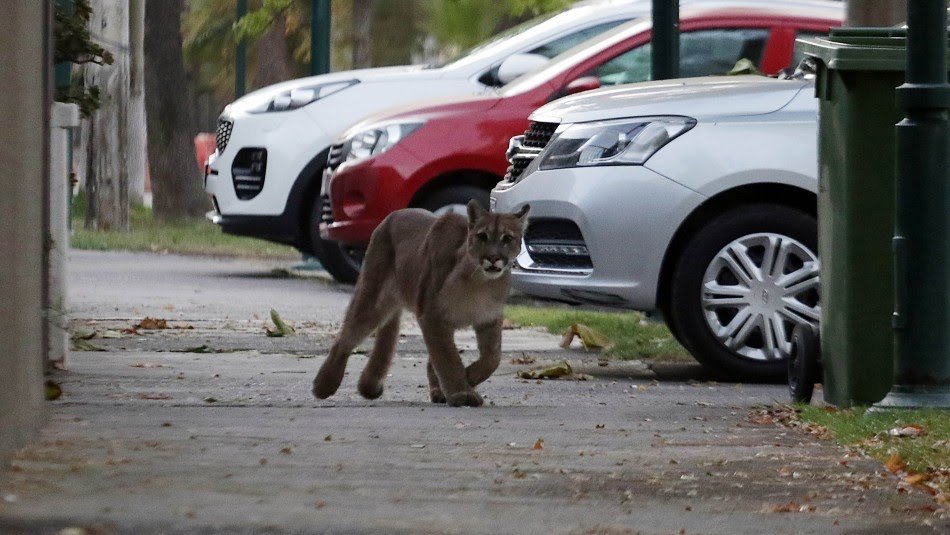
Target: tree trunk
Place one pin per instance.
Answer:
(362, 38)
(875, 12)
(107, 180)
(176, 180)
(274, 63)
(136, 144)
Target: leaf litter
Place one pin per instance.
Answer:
(281, 328)
(561, 370)
(590, 338)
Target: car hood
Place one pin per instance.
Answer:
(255, 99)
(700, 98)
(441, 109)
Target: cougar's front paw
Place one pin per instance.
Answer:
(436, 395)
(465, 398)
(370, 389)
(327, 381)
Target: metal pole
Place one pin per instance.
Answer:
(240, 55)
(922, 227)
(666, 39)
(319, 37)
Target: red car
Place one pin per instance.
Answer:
(440, 156)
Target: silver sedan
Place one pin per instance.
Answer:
(693, 197)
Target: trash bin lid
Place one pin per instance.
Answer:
(864, 49)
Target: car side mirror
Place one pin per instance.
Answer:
(584, 83)
(517, 64)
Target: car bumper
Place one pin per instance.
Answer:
(283, 145)
(623, 216)
(361, 195)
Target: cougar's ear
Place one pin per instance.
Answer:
(522, 215)
(475, 211)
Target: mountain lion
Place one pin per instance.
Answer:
(452, 273)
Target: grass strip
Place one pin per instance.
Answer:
(631, 335)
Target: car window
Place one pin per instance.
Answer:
(562, 44)
(798, 55)
(702, 53)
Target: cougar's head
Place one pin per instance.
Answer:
(494, 240)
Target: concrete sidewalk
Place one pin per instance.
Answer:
(149, 437)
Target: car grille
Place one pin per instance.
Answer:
(556, 243)
(248, 171)
(335, 156)
(223, 134)
(326, 211)
(535, 138)
(539, 134)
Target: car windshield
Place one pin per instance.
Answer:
(575, 55)
(526, 31)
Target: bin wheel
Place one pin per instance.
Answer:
(803, 364)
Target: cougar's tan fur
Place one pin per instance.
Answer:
(452, 273)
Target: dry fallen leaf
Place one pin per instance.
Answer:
(507, 324)
(912, 430)
(590, 338)
(916, 479)
(53, 390)
(280, 327)
(328, 438)
(83, 335)
(539, 444)
(152, 323)
(85, 345)
(131, 330)
(895, 464)
(561, 369)
(153, 395)
(523, 359)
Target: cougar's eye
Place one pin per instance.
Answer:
(482, 236)
(506, 239)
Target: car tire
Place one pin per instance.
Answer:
(803, 367)
(741, 285)
(341, 262)
(454, 199)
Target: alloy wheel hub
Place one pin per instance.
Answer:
(756, 290)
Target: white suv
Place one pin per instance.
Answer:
(264, 177)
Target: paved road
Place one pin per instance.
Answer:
(150, 437)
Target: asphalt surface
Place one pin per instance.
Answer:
(209, 427)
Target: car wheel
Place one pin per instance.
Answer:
(741, 286)
(454, 199)
(803, 368)
(342, 262)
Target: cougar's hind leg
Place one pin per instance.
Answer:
(371, 380)
(372, 303)
(435, 391)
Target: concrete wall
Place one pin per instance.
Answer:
(23, 141)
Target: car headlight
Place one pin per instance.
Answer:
(300, 97)
(617, 142)
(377, 139)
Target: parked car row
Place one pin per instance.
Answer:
(695, 197)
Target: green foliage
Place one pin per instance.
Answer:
(74, 45)
(536, 7)
(256, 23)
(632, 337)
(868, 433)
(398, 28)
(184, 237)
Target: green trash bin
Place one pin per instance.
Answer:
(858, 70)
